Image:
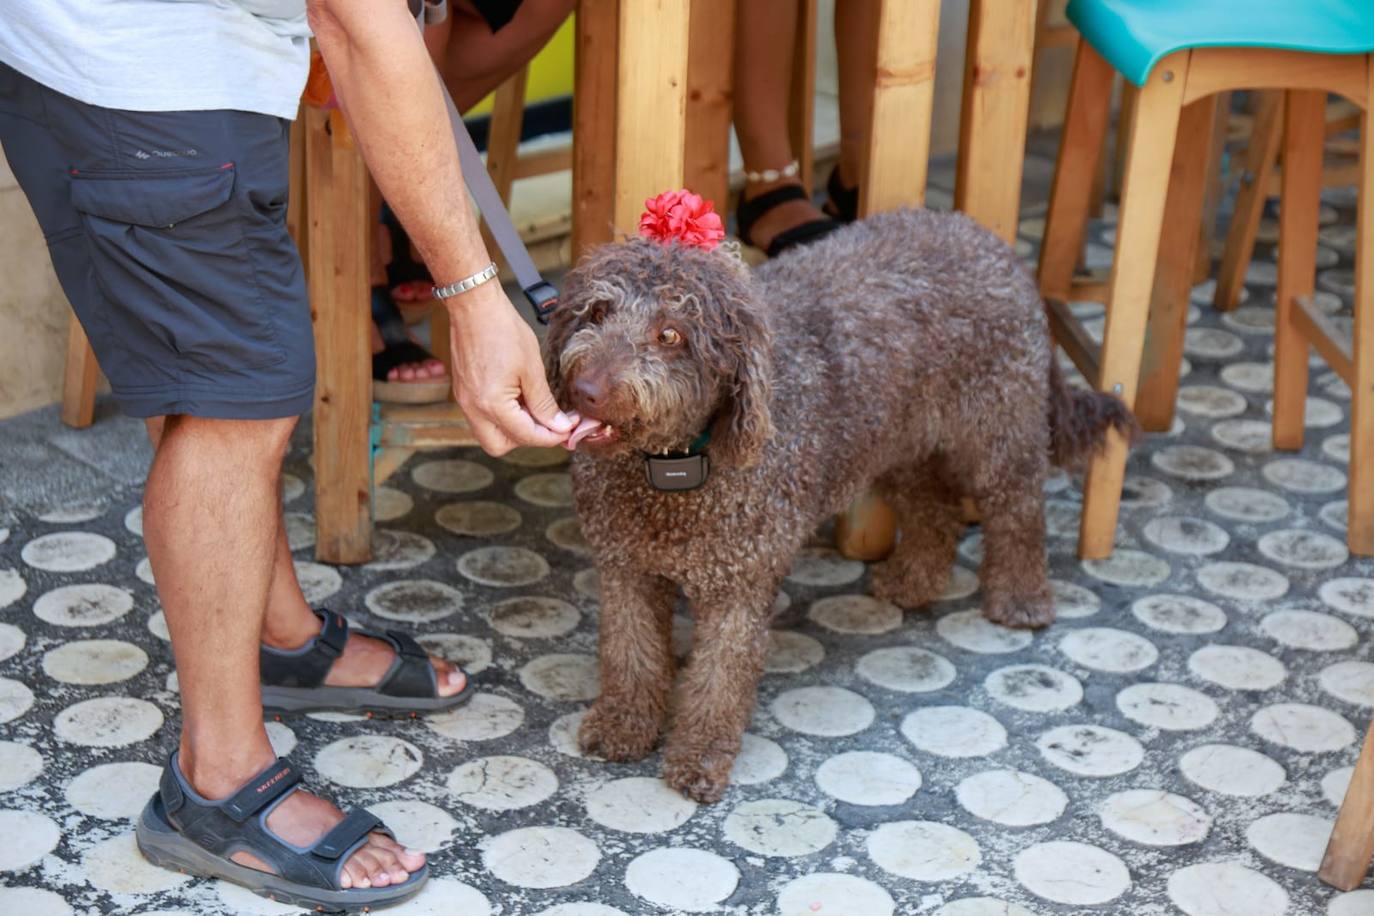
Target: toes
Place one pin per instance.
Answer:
(450, 678)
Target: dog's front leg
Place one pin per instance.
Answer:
(636, 666)
(716, 696)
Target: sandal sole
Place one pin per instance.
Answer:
(291, 701)
(411, 392)
(163, 846)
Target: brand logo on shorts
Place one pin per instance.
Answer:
(166, 153)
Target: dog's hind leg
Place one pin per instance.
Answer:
(931, 520)
(719, 687)
(1009, 490)
(636, 658)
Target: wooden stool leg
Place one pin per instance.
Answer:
(996, 104)
(337, 196)
(1300, 202)
(1360, 526)
(1211, 199)
(1080, 151)
(898, 148)
(710, 100)
(894, 175)
(1149, 156)
(1260, 157)
(1352, 840)
(79, 378)
(652, 89)
(1174, 274)
(503, 141)
(594, 124)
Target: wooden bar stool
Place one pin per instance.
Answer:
(1180, 59)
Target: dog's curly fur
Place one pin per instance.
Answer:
(908, 352)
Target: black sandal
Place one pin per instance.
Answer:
(843, 203)
(293, 679)
(749, 211)
(404, 270)
(398, 350)
(181, 830)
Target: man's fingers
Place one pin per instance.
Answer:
(517, 423)
(539, 401)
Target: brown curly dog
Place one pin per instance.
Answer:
(908, 352)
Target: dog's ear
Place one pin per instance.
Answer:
(746, 423)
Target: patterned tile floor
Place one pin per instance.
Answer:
(1178, 742)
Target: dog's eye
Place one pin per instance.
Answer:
(669, 337)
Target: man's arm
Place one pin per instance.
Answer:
(390, 92)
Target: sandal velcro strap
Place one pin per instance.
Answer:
(347, 833)
(265, 788)
(749, 211)
(411, 673)
(309, 665)
(800, 235)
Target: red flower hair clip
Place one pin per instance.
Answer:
(682, 217)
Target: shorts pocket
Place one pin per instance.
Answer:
(169, 255)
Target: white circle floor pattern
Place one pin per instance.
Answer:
(1176, 743)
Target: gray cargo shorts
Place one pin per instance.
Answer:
(168, 233)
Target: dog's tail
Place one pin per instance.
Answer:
(1080, 419)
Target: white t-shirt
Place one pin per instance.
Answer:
(162, 55)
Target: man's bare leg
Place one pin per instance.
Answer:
(290, 623)
(211, 512)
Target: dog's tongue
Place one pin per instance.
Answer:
(583, 430)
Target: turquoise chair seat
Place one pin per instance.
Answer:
(1134, 35)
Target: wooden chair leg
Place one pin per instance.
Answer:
(1352, 839)
(79, 378)
(802, 104)
(1080, 150)
(1211, 198)
(1260, 157)
(1154, 405)
(1149, 157)
(337, 194)
(710, 100)
(594, 124)
(996, 105)
(1360, 524)
(1299, 205)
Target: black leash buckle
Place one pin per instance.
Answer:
(544, 299)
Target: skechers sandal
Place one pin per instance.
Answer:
(293, 679)
(179, 829)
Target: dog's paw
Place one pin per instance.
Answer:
(908, 589)
(701, 776)
(617, 736)
(1020, 614)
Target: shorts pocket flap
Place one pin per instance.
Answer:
(159, 201)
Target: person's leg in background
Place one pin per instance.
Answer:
(474, 57)
(764, 43)
(856, 32)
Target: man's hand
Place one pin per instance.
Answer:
(389, 90)
(498, 376)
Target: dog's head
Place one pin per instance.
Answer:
(661, 342)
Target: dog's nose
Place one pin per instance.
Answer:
(589, 391)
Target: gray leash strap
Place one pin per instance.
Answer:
(541, 294)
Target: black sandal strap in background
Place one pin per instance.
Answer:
(399, 354)
(844, 202)
(411, 673)
(748, 212)
(309, 665)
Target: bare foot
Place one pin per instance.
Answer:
(779, 219)
(302, 819)
(429, 370)
(365, 661)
